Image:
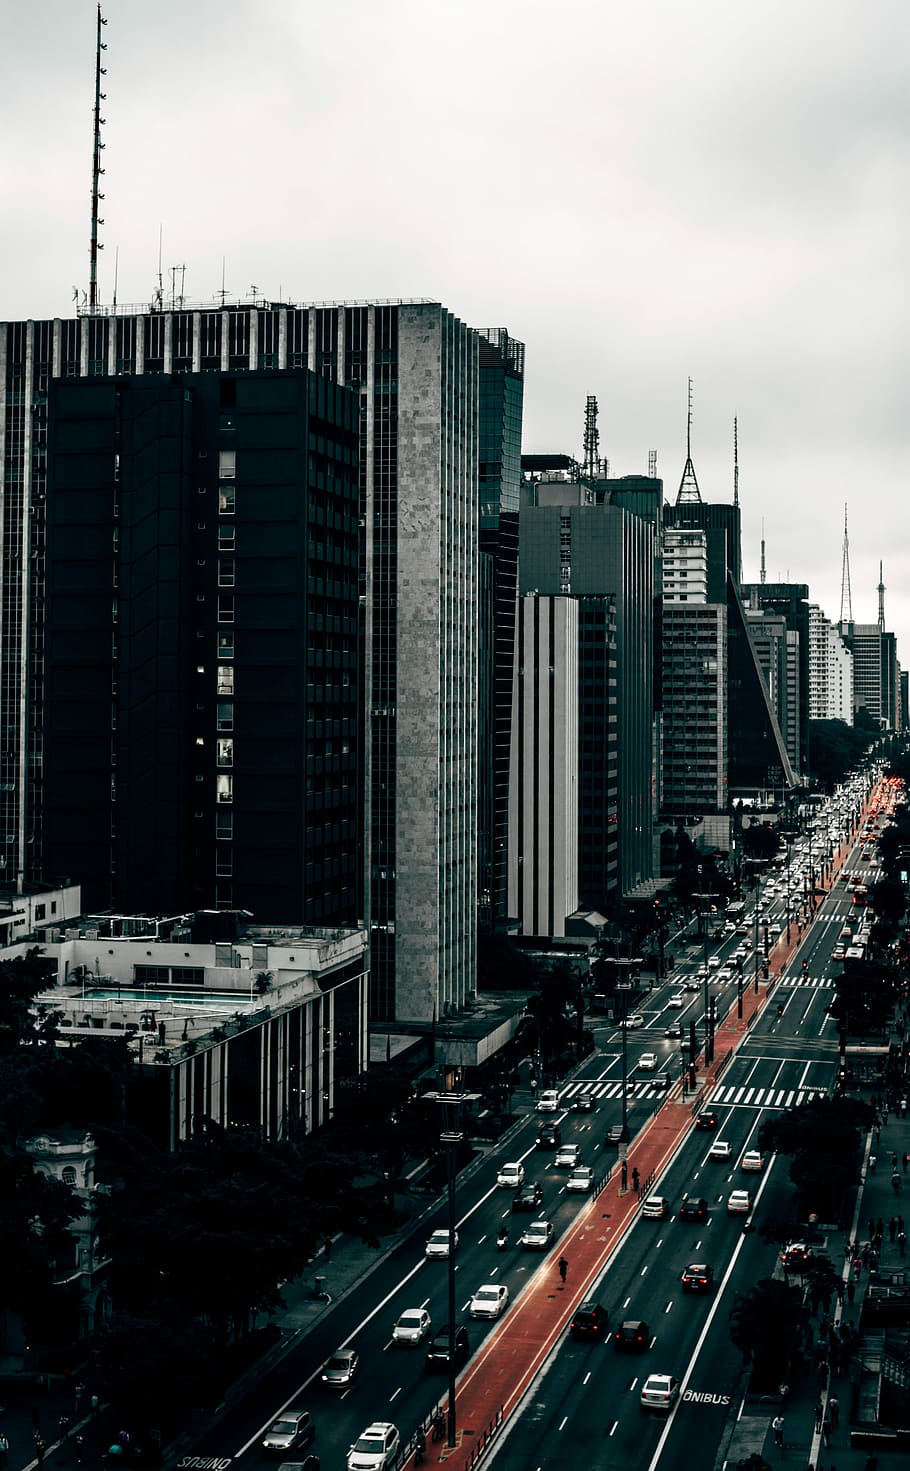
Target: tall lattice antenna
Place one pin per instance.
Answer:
(846, 597)
(592, 439)
(881, 600)
(763, 573)
(735, 461)
(688, 486)
(652, 464)
(97, 170)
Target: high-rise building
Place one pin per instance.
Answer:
(572, 546)
(830, 671)
(875, 679)
(201, 638)
(790, 601)
(416, 370)
(499, 455)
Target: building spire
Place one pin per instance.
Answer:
(881, 600)
(591, 468)
(762, 549)
(846, 598)
(688, 493)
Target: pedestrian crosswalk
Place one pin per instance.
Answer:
(724, 1093)
(637, 1088)
(763, 1097)
(818, 983)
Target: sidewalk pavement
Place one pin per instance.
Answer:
(807, 1444)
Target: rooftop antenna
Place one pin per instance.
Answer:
(846, 599)
(177, 301)
(735, 461)
(763, 572)
(881, 600)
(222, 293)
(159, 290)
(591, 465)
(97, 170)
(652, 464)
(116, 273)
(688, 493)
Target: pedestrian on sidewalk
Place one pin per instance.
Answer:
(635, 1179)
(872, 1163)
(851, 1291)
(840, 1290)
(826, 1433)
(896, 1183)
(906, 1162)
(879, 1231)
(834, 1410)
(892, 1228)
(563, 1268)
(777, 1425)
(4, 1452)
(327, 1250)
(819, 1413)
(902, 1242)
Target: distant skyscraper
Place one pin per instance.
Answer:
(417, 371)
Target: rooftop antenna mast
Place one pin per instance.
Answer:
(881, 600)
(591, 464)
(735, 461)
(688, 492)
(97, 170)
(652, 464)
(763, 572)
(846, 599)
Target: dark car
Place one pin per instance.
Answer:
(548, 1137)
(614, 1134)
(583, 1103)
(796, 1257)
(590, 1321)
(698, 1277)
(707, 1119)
(528, 1198)
(693, 1208)
(632, 1337)
(438, 1351)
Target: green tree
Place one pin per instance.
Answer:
(822, 1140)
(767, 1324)
(835, 747)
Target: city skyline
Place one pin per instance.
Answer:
(641, 197)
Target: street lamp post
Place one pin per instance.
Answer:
(451, 1137)
(709, 1020)
(625, 987)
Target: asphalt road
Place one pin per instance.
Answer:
(584, 1409)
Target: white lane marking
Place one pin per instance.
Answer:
(693, 1359)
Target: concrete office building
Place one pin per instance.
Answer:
(777, 648)
(415, 368)
(790, 601)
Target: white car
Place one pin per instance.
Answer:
(511, 1176)
(581, 1179)
(634, 1021)
(752, 1160)
(676, 1001)
(438, 1244)
(567, 1156)
(537, 1237)
(548, 1102)
(659, 1392)
(489, 1301)
(412, 1327)
(647, 1063)
(376, 1448)
(739, 1203)
(720, 1149)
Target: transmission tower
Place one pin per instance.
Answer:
(881, 600)
(688, 492)
(652, 464)
(735, 462)
(846, 598)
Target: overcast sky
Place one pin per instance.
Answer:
(640, 191)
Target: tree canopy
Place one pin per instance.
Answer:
(766, 1325)
(822, 1139)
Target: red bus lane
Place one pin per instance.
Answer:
(499, 1376)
